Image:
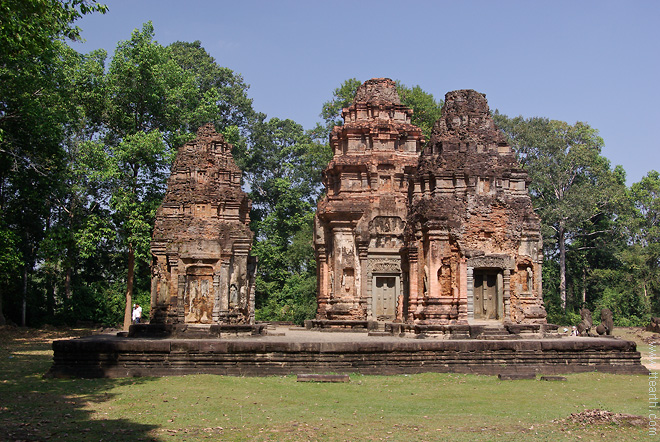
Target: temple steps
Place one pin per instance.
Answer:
(495, 332)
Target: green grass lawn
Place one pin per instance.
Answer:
(424, 407)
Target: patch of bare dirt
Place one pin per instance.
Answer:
(638, 334)
(597, 417)
(46, 334)
(655, 339)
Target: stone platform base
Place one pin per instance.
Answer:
(340, 325)
(195, 331)
(313, 352)
(485, 330)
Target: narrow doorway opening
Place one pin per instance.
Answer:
(384, 298)
(487, 295)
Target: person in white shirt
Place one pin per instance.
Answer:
(137, 313)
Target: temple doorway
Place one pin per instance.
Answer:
(487, 295)
(384, 298)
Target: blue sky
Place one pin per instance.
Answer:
(591, 61)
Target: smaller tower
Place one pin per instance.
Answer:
(201, 271)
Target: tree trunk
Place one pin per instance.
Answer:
(67, 282)
(50, 297)
(562, 265)
(584, 286)
(70, 258)
(3, 321)
(24, 306)
(129, 288)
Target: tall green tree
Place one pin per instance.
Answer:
(283, 170)
(221, 97)
(221, 94)
(81, 79)
(283, 149)
(642, 225)
(571, 183)
(148, 90)
(341, 97)
(31, 120)
(426, 110)
(10, 262)
(150, 101)
(286, 282)
(138, 174)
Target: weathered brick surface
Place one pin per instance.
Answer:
(471, 224)
(438, 238)
(360, 224)
(202, 272)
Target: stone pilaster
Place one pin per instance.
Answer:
(470, 292)
(506, 279)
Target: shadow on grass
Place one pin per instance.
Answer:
(33, 408)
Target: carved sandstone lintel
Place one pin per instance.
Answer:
(491, 261)
(383, 266)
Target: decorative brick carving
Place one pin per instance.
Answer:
(470, 204)
(363, 216)
(201, 269)
(384, 265)
(451, 231)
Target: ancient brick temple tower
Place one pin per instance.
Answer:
(443, 238)
(360, 224)
(201, 269)
(474, 241)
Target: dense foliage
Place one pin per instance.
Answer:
(598, 246)
(86, 144)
